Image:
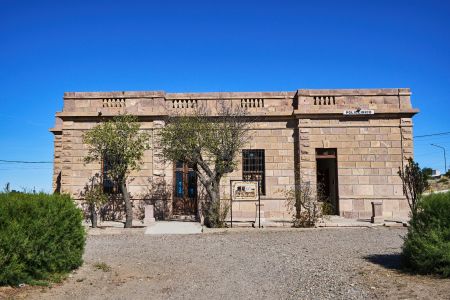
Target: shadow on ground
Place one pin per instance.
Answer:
(389, 261)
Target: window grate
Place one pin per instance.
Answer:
(253, 167)
(110, 186)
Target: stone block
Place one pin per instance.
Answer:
(377, 179)
(283, 180)
(345, 205)
(350, 214)
(383, 190)
(358, 204)
(363, 190)
(345, 190)
(363, 179)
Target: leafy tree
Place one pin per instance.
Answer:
(120, 144)
(210, 143)
(427, 172)
(414, 184)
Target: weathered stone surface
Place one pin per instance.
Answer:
(290, 127)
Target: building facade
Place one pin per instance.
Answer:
(351, 143)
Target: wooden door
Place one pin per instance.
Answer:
(185, 189)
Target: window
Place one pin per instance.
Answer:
(109, 185)
(253, 167)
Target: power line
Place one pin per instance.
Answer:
(432, 134)
(25, 162)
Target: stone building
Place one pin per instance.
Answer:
(350, 141)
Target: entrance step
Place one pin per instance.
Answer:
(238, 224)
(174, 227)
(191, 218)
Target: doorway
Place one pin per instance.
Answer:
(185, 190)
(327, 175)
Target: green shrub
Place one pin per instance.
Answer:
(427, 245)
(40, 236)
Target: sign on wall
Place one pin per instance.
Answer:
(358, 112)
(244, 190)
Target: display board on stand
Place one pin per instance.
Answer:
(245, 190)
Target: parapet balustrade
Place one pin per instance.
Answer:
(252, 102)
(324, 100)
(114, 102)
(184, 103)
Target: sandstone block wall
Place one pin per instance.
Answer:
(290, 127)
(369, 154)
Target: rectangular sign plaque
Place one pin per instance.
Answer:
(244, 190)
(358, 112)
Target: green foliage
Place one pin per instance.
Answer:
(447, 174)
(120, 142)
(427, 172)
(94, 198)
(216, 214)
(40, 235)
(414, 183)
(427, 245)
(208, 142)
(190, 138)
(305, 205)
(327, 209)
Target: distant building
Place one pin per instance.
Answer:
(435, 173)
(351, 141)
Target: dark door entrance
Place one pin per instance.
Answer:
(185, 190)
(327, 185)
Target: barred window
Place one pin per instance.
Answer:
(253, 167)
(109, 185)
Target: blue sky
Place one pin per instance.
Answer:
(49, 47)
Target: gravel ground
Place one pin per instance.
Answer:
(247, 264)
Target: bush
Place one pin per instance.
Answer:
(305, 205)
(41, 236)
(427, 245)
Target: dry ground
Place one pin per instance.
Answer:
(359, 263)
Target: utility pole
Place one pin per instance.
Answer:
(445, 158)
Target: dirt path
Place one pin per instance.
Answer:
(355, 263)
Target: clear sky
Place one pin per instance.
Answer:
(49, 47)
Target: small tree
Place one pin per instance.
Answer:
(414, 183)
(305, 205)
(120, 144)
(94, 198)
(210, 143)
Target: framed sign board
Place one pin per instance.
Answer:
(243, 190)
